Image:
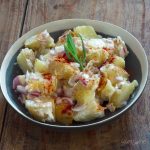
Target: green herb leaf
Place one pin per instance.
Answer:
(83, 48)
(71, 44)
(71, 51)
(67, 51)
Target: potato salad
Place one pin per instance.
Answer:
(76, 78)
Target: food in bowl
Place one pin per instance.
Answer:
(77, 78)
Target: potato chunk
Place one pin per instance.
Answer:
(120, 96)
(91, 111)
(40, 41)
(112, 73)
(85, 93)
(106, 92)
(86, 31)
(44, 84)
(61, 70)
(119, 61)
(40, 66)
(64, 112)
(120, 47)
(26, 59)
(42, 111)
(100, 56)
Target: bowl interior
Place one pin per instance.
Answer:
(133, 67)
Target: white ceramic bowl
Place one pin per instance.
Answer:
(137, 55)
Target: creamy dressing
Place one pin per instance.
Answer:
(95, 43)
(85, 76)
(119, 78)
(52, 52)
(106, 67)
(88, 77)
(29, 63)
(33, 76)
(59, 49)
(108, 43)
(74, 64)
